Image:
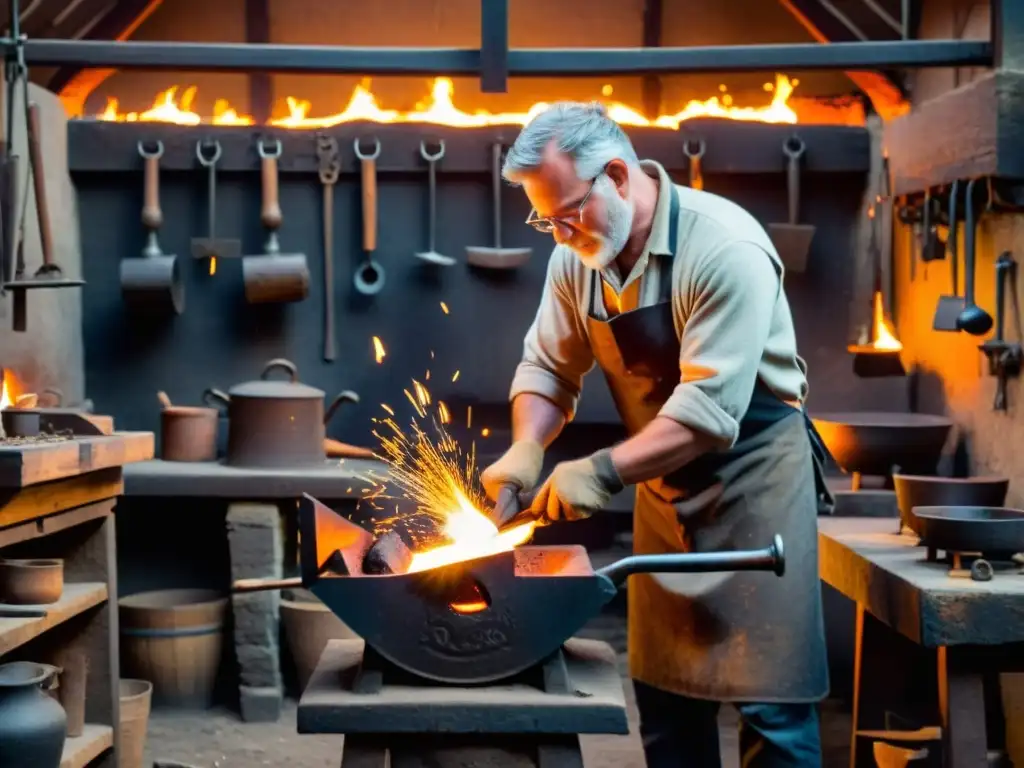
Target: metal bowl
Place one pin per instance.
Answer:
(872, 443)
(992, 531)
(923, 491)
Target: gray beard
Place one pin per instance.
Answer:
(620, 221)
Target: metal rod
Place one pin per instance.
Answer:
(769, 559)
(494, 46)
(843, 19)
(884, 15)
(241, 57)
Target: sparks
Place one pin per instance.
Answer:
(433, 471)
(455, 377)
(444, 307)
(379, 352)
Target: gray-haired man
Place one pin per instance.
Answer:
(677, 296)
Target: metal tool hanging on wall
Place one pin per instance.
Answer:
(1005, 358)
(49, 274)
(208, 152)
(369, 277)
(273, 277)
(932, 246)
(792, 240)
(694, 150)
(328, 167)
(972, 318)
(497, 257)
(152, 283)
(950, 305)
(431, 256)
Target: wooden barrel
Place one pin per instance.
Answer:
(174, 639)
(308, 626)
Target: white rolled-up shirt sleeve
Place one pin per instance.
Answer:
(728, 311)
(556, 350)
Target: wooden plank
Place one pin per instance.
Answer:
(885, 94)
(344, 479)
(261, 84)
(733, 146)
(39, 462)
(864, 560)
(73, 83)
(82, 750)
(45, 526)
(972, 131)
(76, 599)
(33, 502)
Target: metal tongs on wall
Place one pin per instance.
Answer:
(49, 274)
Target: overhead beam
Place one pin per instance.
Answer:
(73, 82)
(494, 46)
(1008, 34)
(651, 84)
(261, 86)
(531, 62)
(885, 94)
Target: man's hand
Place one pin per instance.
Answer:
(576, 489)
(519, 466)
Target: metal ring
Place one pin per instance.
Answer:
(694, 154)
(369, 278)
(429, 157)
(376, 149)
(794, 146)
(158, 152)
(261, 147)
(203, 160)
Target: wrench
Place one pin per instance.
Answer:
(329, 165)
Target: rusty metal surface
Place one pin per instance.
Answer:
(480, 620)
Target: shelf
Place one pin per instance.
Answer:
(31, 463)
(77, 598)
(82, 750)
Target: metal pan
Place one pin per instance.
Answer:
(992, 531)
(525, 602)
(928, 491)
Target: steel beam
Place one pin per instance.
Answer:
(494, 46)
(586, 62)
(1008, 34)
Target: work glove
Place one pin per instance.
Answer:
(519, 466)
(577, 489)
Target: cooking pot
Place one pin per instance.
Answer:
(274, 423)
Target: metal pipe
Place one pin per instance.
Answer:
(238, 57)
(769, 559)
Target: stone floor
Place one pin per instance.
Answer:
(218, 739)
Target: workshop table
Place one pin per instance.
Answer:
(974, 629)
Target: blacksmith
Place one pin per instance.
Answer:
(677, 296)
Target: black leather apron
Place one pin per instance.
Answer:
(728, 637)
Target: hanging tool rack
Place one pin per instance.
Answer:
(14, 279)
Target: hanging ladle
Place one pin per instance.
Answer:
(972, 319)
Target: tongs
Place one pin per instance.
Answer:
(513, 506)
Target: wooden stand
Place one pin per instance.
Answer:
(532, 721)
(57, 500)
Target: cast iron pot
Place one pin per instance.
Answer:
(922, 491)
(872, 443)
(273, 424)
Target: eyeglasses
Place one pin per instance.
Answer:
(547, 224)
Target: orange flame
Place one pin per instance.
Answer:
(440, 109)
(883, 336)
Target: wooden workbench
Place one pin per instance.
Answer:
(969, 630)
(57, 500)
